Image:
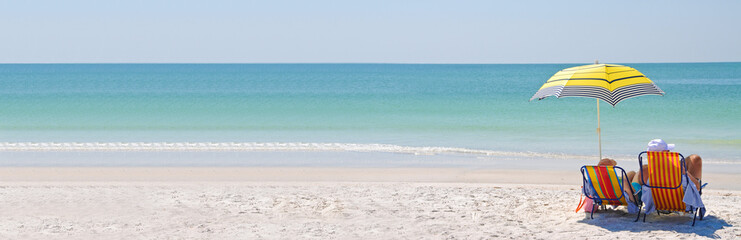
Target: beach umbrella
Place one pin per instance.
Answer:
(607, 82)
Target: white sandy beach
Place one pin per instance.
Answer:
(324, 203)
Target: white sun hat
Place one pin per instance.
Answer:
(658, 145)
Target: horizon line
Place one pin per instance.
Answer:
(379, 63)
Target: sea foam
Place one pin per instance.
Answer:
(255, 147)
(293, 147)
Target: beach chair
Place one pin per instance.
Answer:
(604, 185)
(666, 171)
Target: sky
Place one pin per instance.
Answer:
(371, 31)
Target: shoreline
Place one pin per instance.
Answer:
(281, 174)
(248, 148)
(719, 181)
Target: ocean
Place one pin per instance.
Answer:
(351, 115)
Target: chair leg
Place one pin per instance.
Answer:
(639, 215)
(591, 215)
(702, 213)
(644, 217)
(694, 218)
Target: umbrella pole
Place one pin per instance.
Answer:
(599, 134)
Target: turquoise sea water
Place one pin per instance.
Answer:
(472, 107)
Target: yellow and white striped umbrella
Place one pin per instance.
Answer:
(610, 82)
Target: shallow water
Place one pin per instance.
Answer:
(474, 107)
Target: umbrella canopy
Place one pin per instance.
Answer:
(610, 82)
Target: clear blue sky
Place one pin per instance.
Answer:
(372, 31)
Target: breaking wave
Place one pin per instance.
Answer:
(254, 147)
(283, 147)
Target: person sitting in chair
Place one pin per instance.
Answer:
(626, 182)
(693, 171)
(693, 162)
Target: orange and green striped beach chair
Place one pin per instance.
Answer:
(604, 185)
(666, 171)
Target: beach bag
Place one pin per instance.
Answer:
(588, 205)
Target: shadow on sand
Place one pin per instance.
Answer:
(617, 220)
